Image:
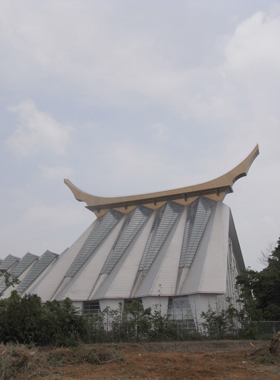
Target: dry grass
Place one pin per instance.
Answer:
(22, 363)
(207, 360)
(19, 362)
(96, 355)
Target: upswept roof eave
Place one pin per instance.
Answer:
(222, 184)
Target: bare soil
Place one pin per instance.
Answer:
(220, 360)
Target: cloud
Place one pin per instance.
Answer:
(55, 172)
(251, 71)
(112, 57)
(104, 55)
(41, 227)
(36, 131)
(255, 44)
(52, 216)
(161, 131)
(132, 162)
(115, 61)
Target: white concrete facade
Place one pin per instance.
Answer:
(175, 252)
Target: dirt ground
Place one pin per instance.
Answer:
(220, 360)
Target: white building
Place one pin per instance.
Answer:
(178, 248)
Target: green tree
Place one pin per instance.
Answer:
(161, 326)
(26, 320)
(21, 318)
(9, 278)
(63, 325)
(260, 291)
(225, 324)
(139, 320)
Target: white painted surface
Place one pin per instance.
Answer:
(184, 273)
(203, 281)
(84, 283)
(166, 278)
(47, 288)
(159, 303)
(213, 279)
(64, 282)
(200, 303)
(148, 277)
(191, 282)
(37, 280)
(123, 282)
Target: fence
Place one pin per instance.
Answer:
(184, 330)
(266, 329)
(187, 330)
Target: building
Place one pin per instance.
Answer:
(177, 248)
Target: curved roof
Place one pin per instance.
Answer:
(215, 189)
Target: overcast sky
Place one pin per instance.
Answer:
(125, 97)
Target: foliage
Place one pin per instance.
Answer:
(9, 278)
(161, 326)
(139, 320)
(131, 323)
(232, 323)
(20, 318)
(63, 324)
(221, 325)
(26, 320)
(260, 291)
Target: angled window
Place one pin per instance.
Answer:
(130, 228)
(8, 262)
(198, 214)
(43, 262)
(164, 220)
(24, 263)
(103, 227)
(179, 309)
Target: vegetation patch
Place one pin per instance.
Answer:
(19, 362)
(95, 355)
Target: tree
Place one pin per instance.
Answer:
(260, 291)
(9, 279)
(26, 320)
(139, 320)
(21, 318)
(63, 324)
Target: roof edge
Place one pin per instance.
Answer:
(216, 188)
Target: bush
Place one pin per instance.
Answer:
(21, 319)
(25, 320)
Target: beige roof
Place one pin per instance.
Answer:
(215, 189)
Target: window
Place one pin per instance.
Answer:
(91, 307)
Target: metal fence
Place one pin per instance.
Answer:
(266, 328)
(258, 330)
(183, 330)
